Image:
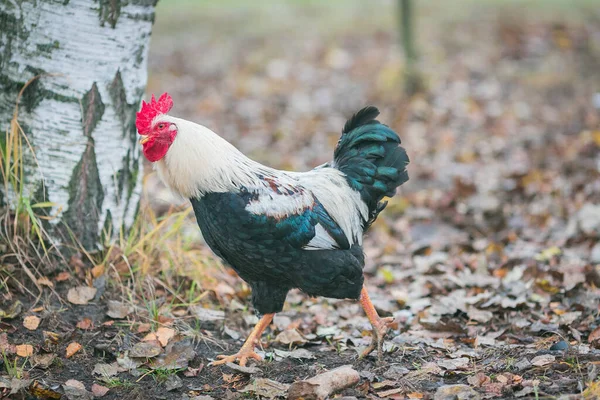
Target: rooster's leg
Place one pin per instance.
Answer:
(380, 325)
(247, 350)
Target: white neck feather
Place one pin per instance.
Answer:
(199, 161)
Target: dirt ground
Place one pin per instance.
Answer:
(488, 258)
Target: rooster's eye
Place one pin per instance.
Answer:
(161, 126)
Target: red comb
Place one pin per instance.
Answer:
(149, 111)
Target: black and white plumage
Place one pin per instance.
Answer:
(281, 230)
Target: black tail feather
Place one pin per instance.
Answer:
(370, 156)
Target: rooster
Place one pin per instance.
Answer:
(281, 230)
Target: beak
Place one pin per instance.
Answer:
(144, 139)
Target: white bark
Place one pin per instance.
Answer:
(96, 53)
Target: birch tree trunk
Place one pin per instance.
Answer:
(80, 114)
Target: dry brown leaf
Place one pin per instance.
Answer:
(24, 350)
(542, 360)
(144, 327)
(72, 348)
(31, 322)
(151, 337)
(98, 270)
(594, 335)
(146, 349)
(38, 309)
(118, 310)
(85, 324)
(81, 294)
(63, 276)
(191, 372)
(291, 336)
(75, 383)
(98, 390)
(415, 395)
(164, 335)
(42, 280)
(43, 360)
(51, 337)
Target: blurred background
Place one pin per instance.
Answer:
(502, 124)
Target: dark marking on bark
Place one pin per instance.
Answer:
(93, 109)
(13, 30)
(124, 110)
(85, 198)
(48, 47)
(139, 55)
(144, 2)
(109, 10)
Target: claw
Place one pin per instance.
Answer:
(242, 356)
(380, 329)
(247, 350)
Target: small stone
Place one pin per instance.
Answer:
(562, 345)
(395, 372)
(173, 382)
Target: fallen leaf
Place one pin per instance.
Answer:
(594, 335)
(290, 336)
(43, 360)
(50, 337)
(267, 388)
(128, 364)
(75, 390)
(244, 370)
(231, 333)
(75, 383)
(297, 354)
(542, 360)
(72, 348)
(42, 280)
(24, 350)
(206, 314)
(81, 294)
(31, 322)
(164, 335)
(177, 355)
(144, 327)
(415, 395)
(62, 276)
(151, 337)
(146, 349)
(106, 370)
(118, 310)
(479, 379)
(85, 324)
(191, 372)
(173, 382)
(456, 363)
(480, 315)
(98, 270)
(456, 392)
(18, 385)
(98, 390)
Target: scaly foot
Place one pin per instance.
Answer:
(243, 355)
(247, 350)
(380, 328)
